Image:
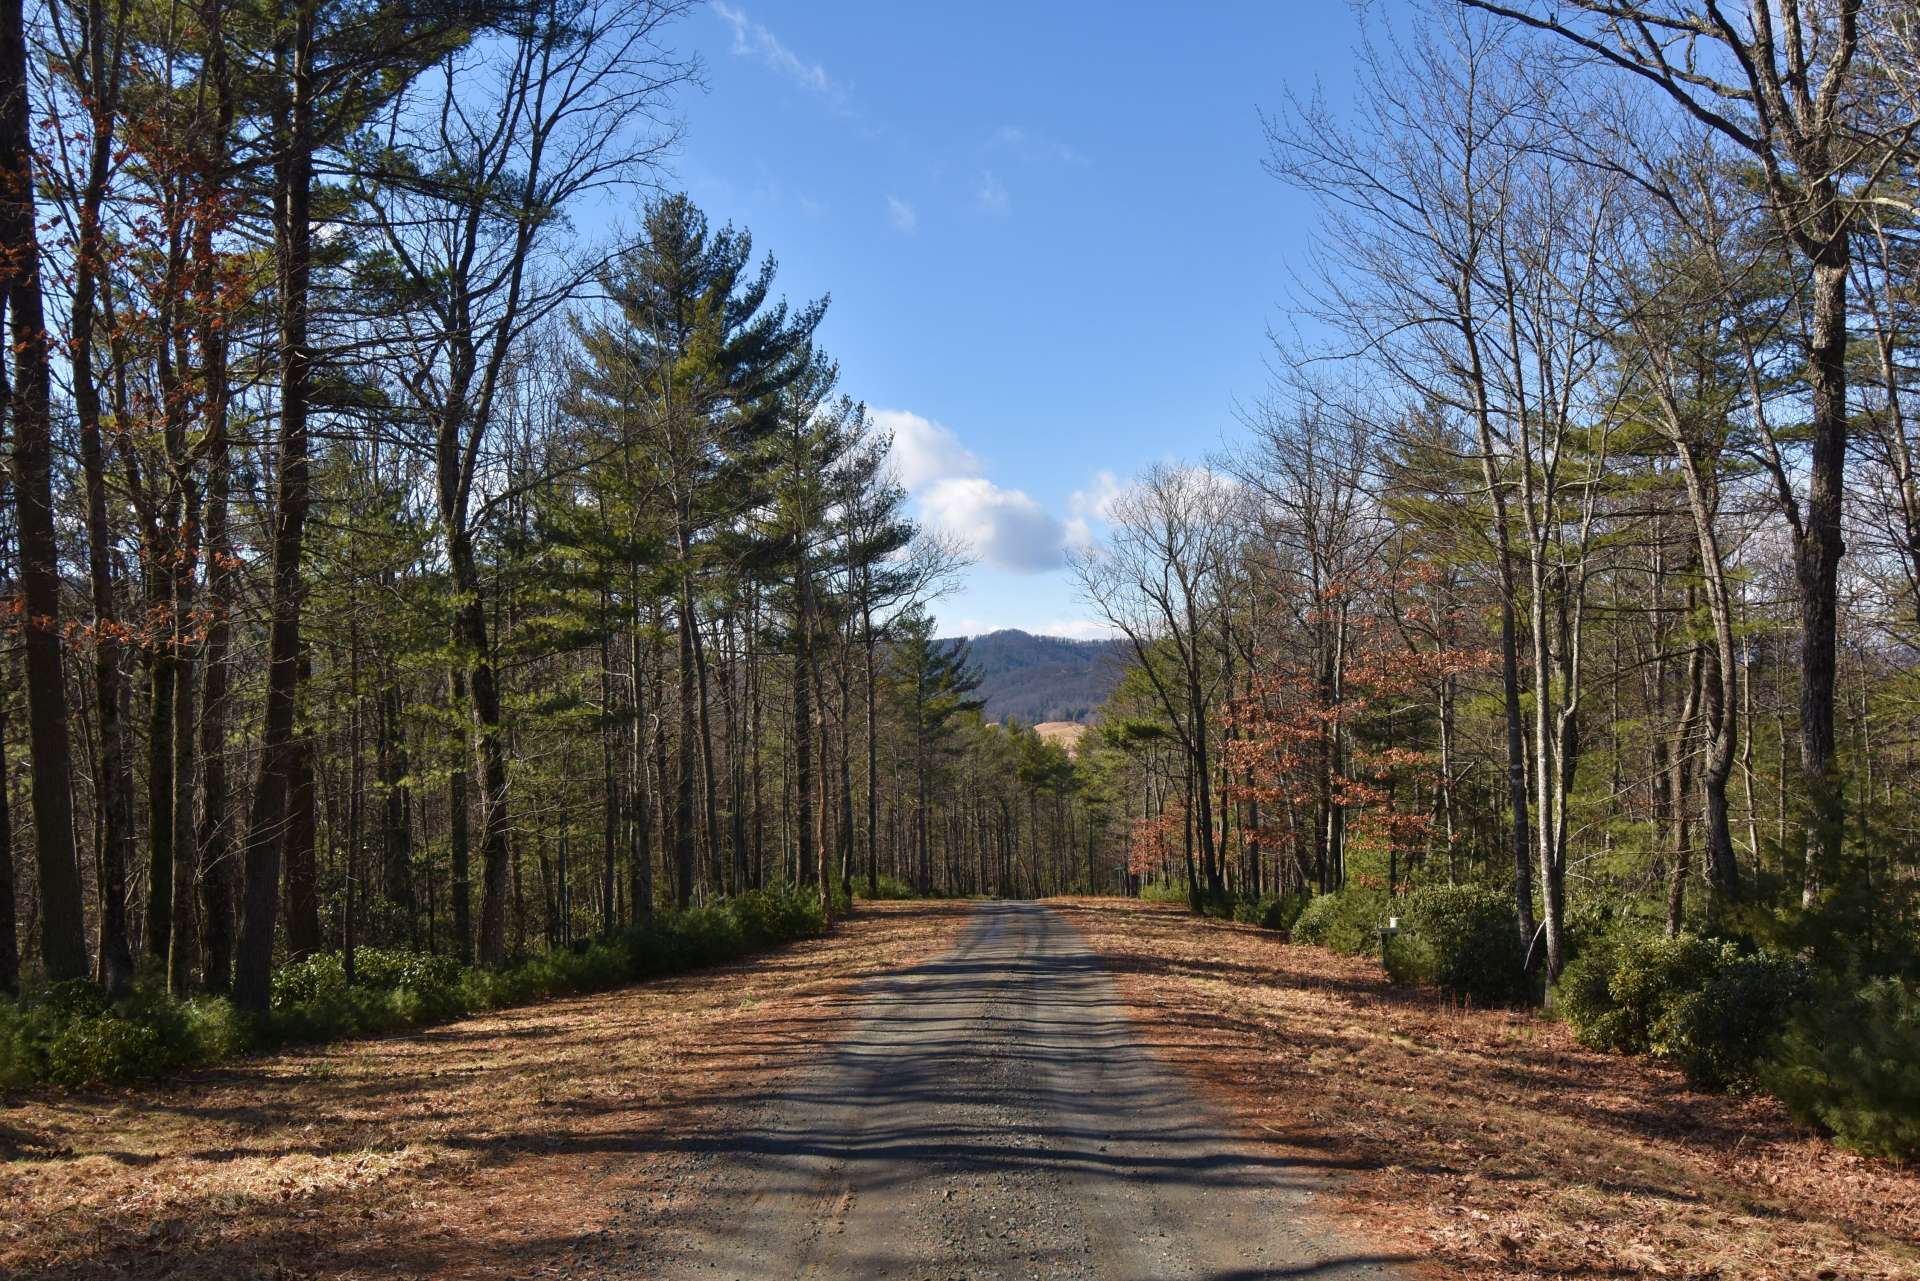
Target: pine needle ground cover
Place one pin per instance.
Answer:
(1491, 1141)
(471, 1149)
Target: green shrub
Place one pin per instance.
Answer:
(757, 913)
(323, 975)
(68, 1034)
(1348, 921)
(1696, 1002)
(213, 1029)
(397, 967)
(1270, 911)
(24, 1033)
(1653, 974)
(1163, 892)
(1850, 1063)
(308, 980)
(69, 999)
(1584, 994)
(781, 914)
(1645, 976)
(1462, 939)
(708, 936)
(90, 1050)
(1720, 1035)
(885, 887)
(16, 1069)
(1587, 925)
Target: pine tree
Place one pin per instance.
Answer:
(695, 354)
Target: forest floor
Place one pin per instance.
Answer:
(1489, 1142)
(502, 1145)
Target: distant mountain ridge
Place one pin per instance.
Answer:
(1044, 678)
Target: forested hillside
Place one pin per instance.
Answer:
(1043, 678)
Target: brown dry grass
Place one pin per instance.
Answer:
(1491, 1141)
(477, 1149)
(1067, 734)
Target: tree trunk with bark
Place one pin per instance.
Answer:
(63, 943)
(267, 823)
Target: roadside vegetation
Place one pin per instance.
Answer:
(70, 1034)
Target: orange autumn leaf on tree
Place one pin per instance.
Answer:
(1306, 731)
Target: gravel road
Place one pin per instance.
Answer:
(992, 1115)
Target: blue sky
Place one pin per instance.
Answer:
(1052, 252)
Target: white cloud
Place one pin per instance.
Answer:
(1005, 528)
(923, 451)
(900, 215)
(1097, 498)
(1094, 503)
(752, 39)
(991, 195)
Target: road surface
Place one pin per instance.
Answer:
(993, 1115)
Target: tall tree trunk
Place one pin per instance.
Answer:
(1197, 711)
(668, 816)
(803, 730)
(160, 853)
(9, 931)
(267, 823)
(216, 802)
(460, 839)
(686, 750)
(732, 715)
(180, 947)
(63, 944)
(873, 754)
(639, 793)
(1817, 559)
(708, 783)
(609, 779)
(1722, 709)
(1549, 783)
(302, 889)
(213, 841)
(116, 762)
(846, 783)
(396, 811)
(489, 756)
(1677, 783)
(816, 858)
(1520, 830)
